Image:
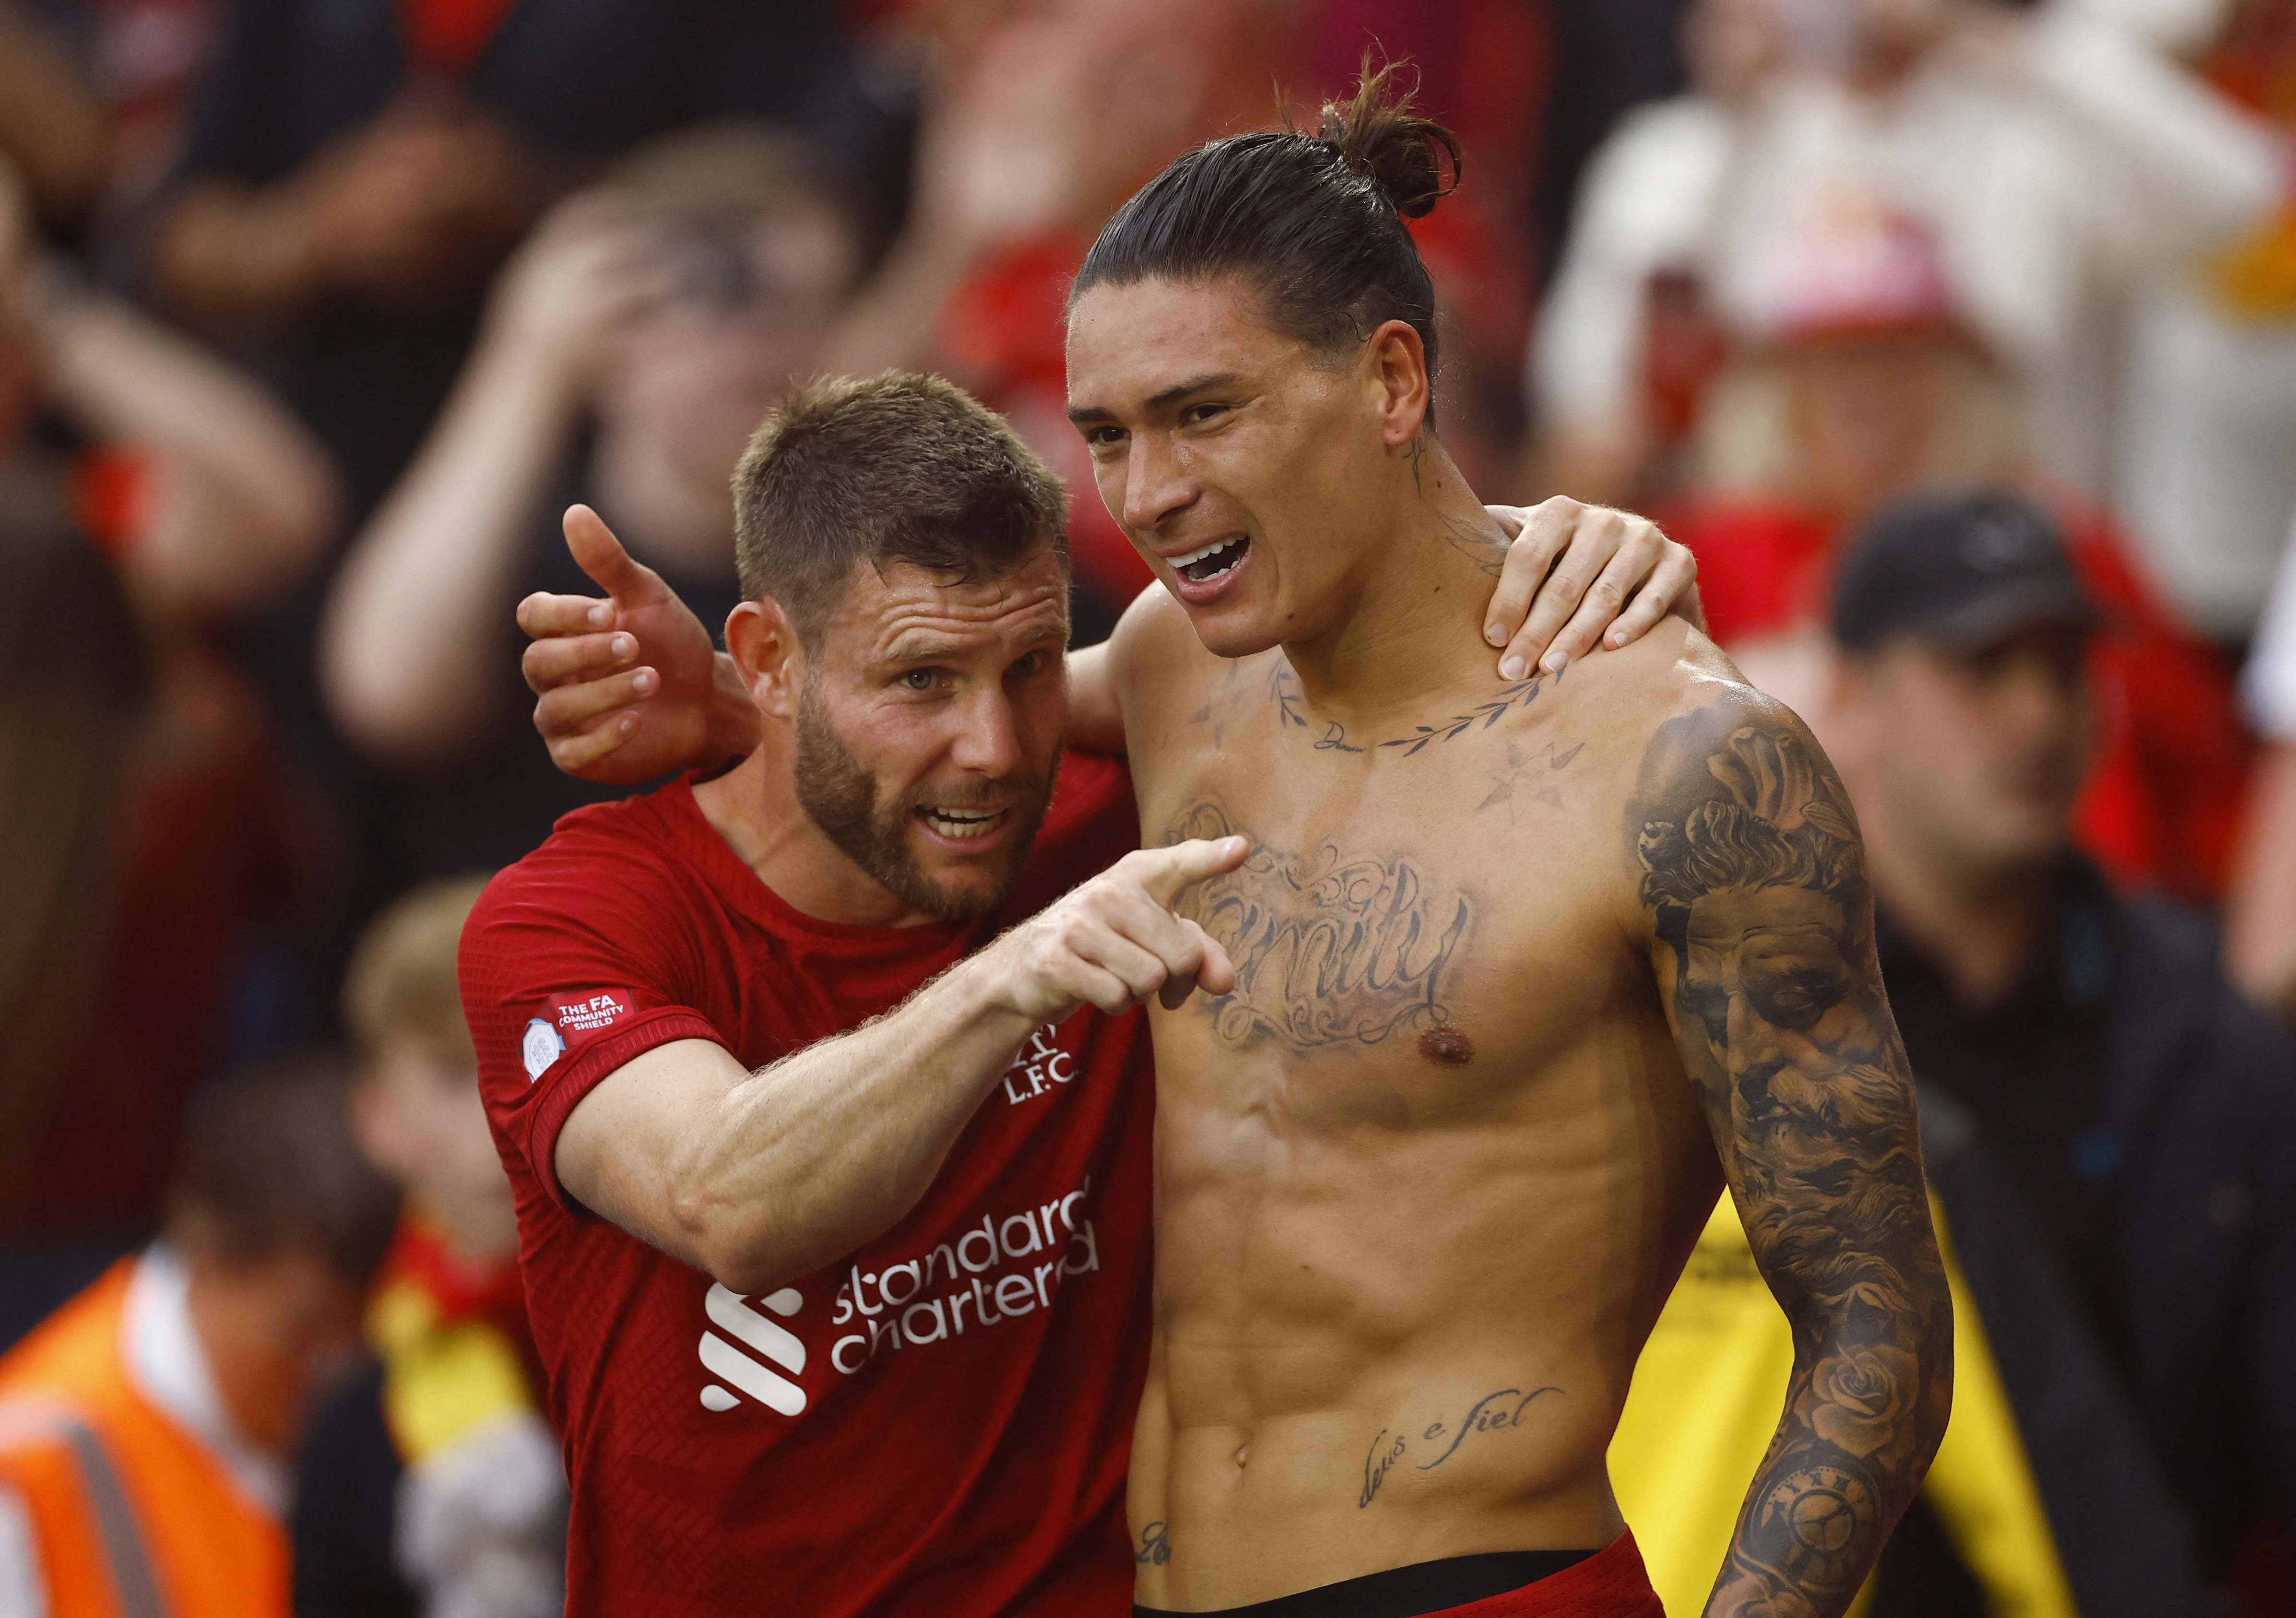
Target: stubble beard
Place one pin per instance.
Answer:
(837, 792)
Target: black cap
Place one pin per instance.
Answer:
(1963, 570)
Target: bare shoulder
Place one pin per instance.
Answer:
(1155, 657)
(1688, 745)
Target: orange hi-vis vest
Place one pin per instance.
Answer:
(131, 1515)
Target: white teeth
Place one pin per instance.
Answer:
(1192, 557)
(958, 826)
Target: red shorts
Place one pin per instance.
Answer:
(1612, 1583)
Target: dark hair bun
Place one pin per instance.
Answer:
(1414, 160)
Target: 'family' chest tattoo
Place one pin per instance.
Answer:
(1331, 948)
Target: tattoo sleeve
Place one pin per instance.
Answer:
(1753, 883)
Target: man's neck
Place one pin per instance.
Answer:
(1978, 926)
(1411, 629)
(754, 806)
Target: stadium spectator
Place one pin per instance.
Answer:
(2207, 477)
(1873, 380)
(1036, 121)
(2060, 159)
(348, 182)
(630, 349)
(146, 1429)
(152, 495)
(429, 1483)
(352, 175)
(2111, 1133)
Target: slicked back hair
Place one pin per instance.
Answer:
(896, 467)
(1314, 221)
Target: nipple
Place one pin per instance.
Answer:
(1445, 1047)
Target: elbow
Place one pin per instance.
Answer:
(394, 699)
(741, 1248)
(744, 1261)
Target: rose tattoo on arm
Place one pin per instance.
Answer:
(1752, 881)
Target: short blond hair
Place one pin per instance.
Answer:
(401, 986)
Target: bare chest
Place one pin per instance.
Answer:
(1429, 916)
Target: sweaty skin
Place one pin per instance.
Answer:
(1524, 972)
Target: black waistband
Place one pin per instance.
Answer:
(1407, 1592)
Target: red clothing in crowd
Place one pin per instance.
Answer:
(2162, 803)
(939, 1422)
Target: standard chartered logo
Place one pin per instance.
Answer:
(731, 1314)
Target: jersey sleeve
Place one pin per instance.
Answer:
(573, 963)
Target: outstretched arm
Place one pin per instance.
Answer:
(756, 1178)
(1753, 889)
(627, 688)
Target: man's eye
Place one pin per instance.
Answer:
(918, 679)
(1104, 437)
(1799, 1000)
(1029, 665)
(1196, 415)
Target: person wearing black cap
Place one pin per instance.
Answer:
(2111, 1128)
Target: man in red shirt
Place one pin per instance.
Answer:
(857, 1324)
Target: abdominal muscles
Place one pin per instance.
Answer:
(1389, 1341)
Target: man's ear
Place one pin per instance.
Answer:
(765, 647)
(1398, 367)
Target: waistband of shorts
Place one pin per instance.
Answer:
(1607, 1583)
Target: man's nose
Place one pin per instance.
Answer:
(2042, 700)
(1156, 484)
(988, 734)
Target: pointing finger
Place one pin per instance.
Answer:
(1164, 873)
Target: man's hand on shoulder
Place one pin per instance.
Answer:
(1579, 573)
(1753, 885)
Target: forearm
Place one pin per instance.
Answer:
(890, 321)
(236, 257)
(413, 628)
(242, 496)
(1864, 1414)
(827, 1148)
(2198, 169)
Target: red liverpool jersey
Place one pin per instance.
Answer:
(939, 1422)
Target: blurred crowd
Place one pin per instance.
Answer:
(314, 314)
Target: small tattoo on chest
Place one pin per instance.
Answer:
(1283, 690)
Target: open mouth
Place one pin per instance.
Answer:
(1204, 566)
(958, 824)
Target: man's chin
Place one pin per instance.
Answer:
(960, 890)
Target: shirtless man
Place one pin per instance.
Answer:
(1523, 974)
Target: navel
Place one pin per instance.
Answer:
(1445, 1047)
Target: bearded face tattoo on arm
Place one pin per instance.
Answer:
(1753, 881)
